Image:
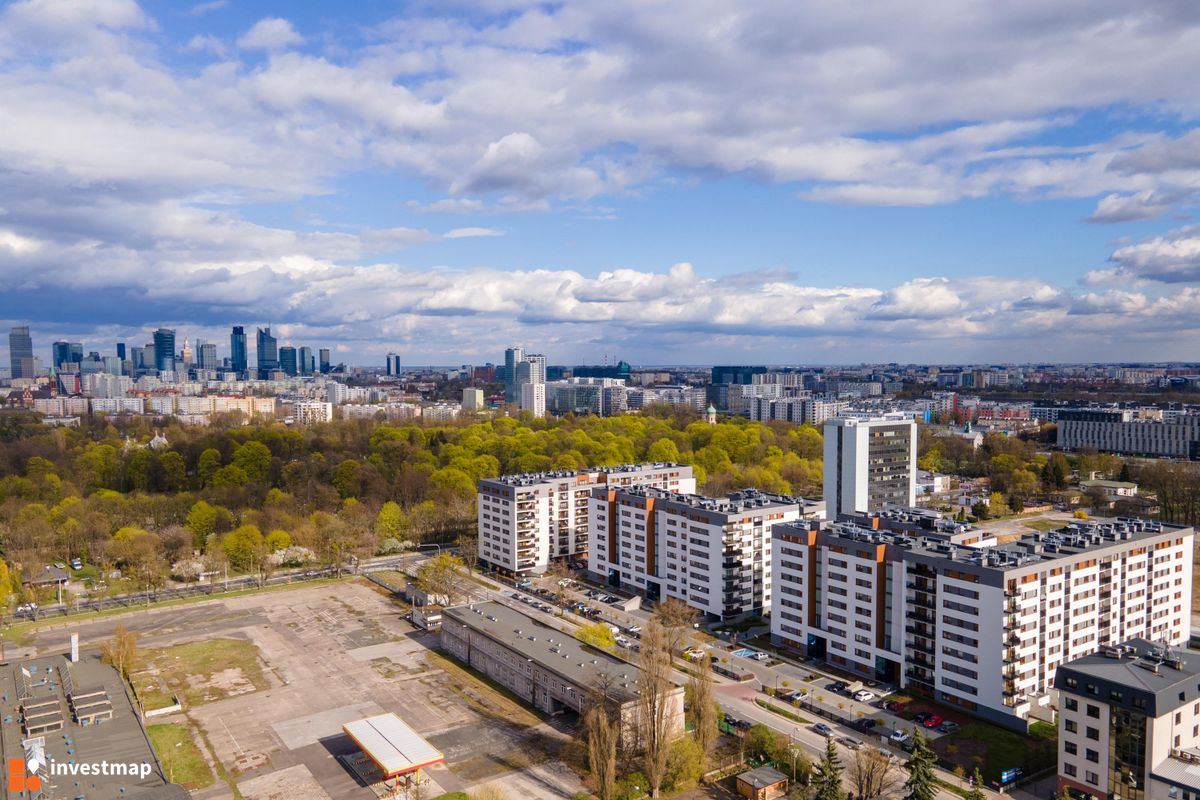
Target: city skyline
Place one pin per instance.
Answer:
(783, 184)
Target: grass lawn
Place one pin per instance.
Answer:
(775, 709)
(1044, 524)
(485, 696)
(395, 579)
(181, 759)
(996, 749)
(200, 672)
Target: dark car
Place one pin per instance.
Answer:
(745, 724)
(837, 686)
(866, 724)
(921, 717)
(948, 727)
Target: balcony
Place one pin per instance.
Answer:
(920, 615)
(920, 630)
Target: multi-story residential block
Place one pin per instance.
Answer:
(870, 463)
(312, 412)
(533, 398)
(712, 553)
(527, 520)
(971, 623)
(1129, 432)
(1129, 723)
(472, 399)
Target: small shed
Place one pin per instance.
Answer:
(762, 783)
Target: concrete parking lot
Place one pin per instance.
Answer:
(331, 655)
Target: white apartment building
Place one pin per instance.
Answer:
(472, 399)
(712, 553)
(1129, 723)
(527, 520)
(533, 398)
(1126, 431)
(312, 412)
(870, 463)
(970, 623)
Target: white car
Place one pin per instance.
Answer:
(899, 737)
(864, 696)
(762, 657)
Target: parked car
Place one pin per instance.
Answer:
(899, 737)
(761, 656)
(837, 686)
(26, 607)
(76, 563)
(851, 742)
(892, 706)
(948, 727)
(866, 723)
(823, 729)
(864, 695)
(635, 628)
(920, 717)
(932, 721)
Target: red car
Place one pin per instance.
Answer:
(932, 721)
(892, 706)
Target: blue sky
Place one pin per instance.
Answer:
(666, 182)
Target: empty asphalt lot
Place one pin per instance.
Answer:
(332, 654)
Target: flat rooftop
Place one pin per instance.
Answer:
(547, 647)
(735, 502)
(43, 681)
(392, 744)
(1155, 673)
(1037, 547)
(534, 478)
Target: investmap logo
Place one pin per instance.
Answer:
(19, 778)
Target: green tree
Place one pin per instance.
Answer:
(664, 450)
(231, 476)
(202, 522)
(921, 783)
(277, 540)
(442, 575)
(254, 459)
(242, 546)
(346, 479)
(209, 463)
(1057, 471)
(390, 521)
(174, 471)
(827, 779)
(597, 634)
(760, 742)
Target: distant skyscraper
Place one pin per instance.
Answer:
(306, 361)
(121, 350)
(532, 369)
(268, 354)
(324, 353)
(20, 352)
(237, 349)
(393, 363)
(472, 400)
(512, 357)
(206, 354)
(287, 360)
(164, 350)
(60, 354)
(187, 354)
(76, 352)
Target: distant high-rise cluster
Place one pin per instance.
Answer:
(162, 358)
(525, 380)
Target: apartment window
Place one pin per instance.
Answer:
(1094, 711)
(1072, 726)
(1072, 704)
(1092, 778)
(1069, 769)
(1071, 748)
(1093, 734)
(1093, 756)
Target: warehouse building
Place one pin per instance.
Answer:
(551, 670)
